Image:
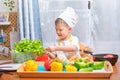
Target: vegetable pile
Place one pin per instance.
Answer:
(81, 65)
(27, 45)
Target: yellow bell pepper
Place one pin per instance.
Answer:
(30, 65)
(56, 66)
(70, 68)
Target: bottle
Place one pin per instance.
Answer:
(13, 38)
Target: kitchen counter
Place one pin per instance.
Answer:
(14, 76)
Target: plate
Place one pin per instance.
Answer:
(5, 61)
(9, 67)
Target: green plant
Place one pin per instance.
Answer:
(10, 4)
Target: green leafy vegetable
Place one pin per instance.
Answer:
(27, 45)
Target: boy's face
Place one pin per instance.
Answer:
(63, 31)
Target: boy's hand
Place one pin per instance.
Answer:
(50, 54)
(46, 52)
(51, 48)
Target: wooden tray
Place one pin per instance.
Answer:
(50, 74)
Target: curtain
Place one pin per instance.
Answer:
(51, 9)
(98, 24)
(106, 26)
(29, 19)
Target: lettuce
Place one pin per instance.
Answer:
(27, 46)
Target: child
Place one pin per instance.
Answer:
(67, 45)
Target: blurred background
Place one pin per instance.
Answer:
(98, 25)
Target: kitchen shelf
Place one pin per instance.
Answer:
(5, 23)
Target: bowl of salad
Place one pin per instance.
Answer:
(26, 49)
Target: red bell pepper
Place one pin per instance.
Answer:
(42, 58)
(47, 64)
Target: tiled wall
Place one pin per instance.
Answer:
(7, 29)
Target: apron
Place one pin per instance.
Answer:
(67, 54)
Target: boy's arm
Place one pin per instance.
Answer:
(71, 48)
(51, 55)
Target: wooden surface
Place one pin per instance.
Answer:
(14, 76)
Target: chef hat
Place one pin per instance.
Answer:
(69, 16)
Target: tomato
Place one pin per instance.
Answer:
(47, 64)
(42, 58)
(108, 56)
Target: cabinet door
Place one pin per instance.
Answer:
(51, 9)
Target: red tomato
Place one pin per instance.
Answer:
(47, 64)
(108, 56)
(42, 58)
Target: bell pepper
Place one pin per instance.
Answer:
(42, 58)
(47, 64)
(30, 65)
(98, 65)
(82, 60)
(83, 65)
(70, 68)
(56, 66)
(80, 65)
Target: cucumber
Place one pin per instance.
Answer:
(89, 69)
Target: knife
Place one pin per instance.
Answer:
(5, 66)
(87, 51)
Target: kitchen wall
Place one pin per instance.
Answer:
(106, 28)
(4, 8)
(8, 28)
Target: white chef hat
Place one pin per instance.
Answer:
(69, 16)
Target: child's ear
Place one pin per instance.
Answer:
(70, 28)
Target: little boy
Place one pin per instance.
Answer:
(67, 45)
